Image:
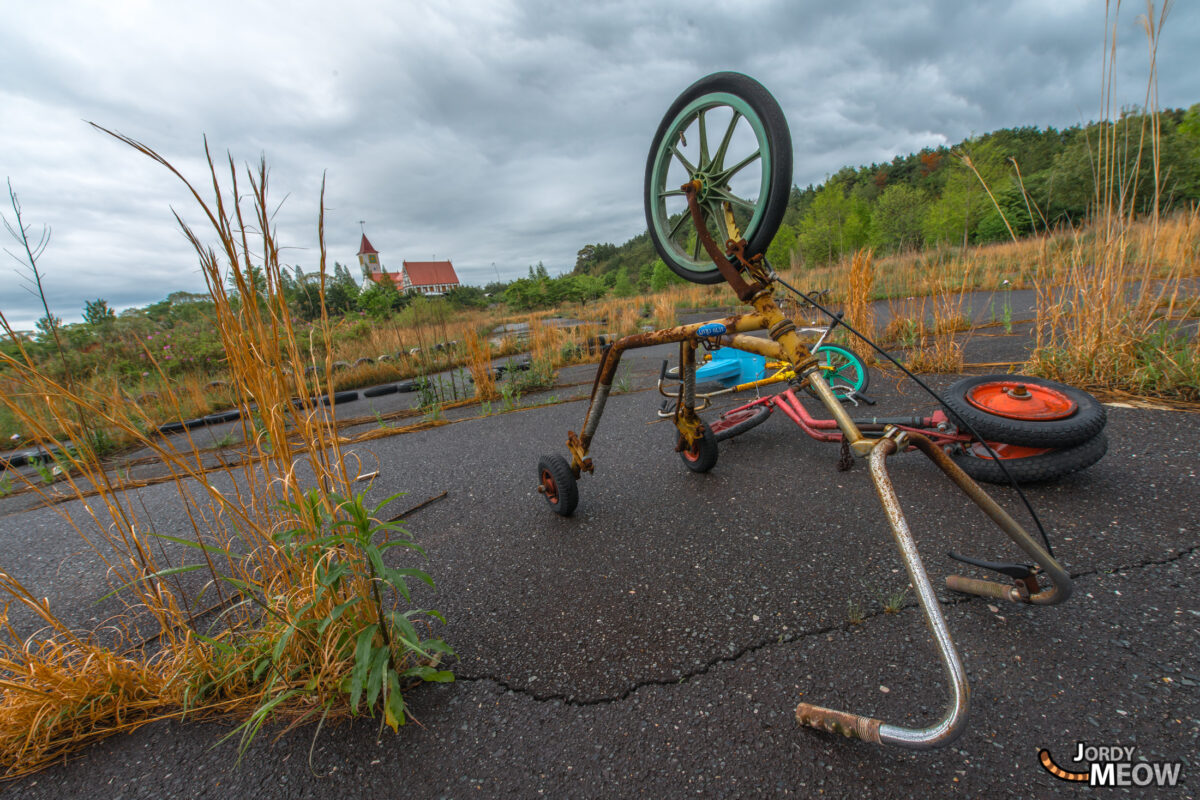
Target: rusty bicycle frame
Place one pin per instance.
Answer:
(784, 344)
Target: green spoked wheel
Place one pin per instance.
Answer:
(727, 132)
(842, 370)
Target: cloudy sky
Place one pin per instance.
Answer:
(491, 133)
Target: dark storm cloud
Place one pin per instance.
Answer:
(505, 133)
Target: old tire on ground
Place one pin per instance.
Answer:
(558, 485)
(701, 456)
(738, 421)
(1051, 414)
(339, 398)
(1037, 468)
(380, 391)
(742, 154)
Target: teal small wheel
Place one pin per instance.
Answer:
(727, 132)
(556, 483)
(842, 370)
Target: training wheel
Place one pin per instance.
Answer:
(556, 482)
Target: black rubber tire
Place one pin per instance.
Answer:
(704, 457)
(340, 398)
(1083, 425)
(561, 491)
(222, 416)
(778, 141)
(406, 386)
(170, 428)
(1035, 469)
(380, 391)
(738, 422)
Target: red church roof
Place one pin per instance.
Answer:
(428, 273)
(365, 247)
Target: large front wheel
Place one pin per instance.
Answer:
(728, 133)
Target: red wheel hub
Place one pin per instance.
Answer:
(1007, 451)
(1023, 401)
(550, 486)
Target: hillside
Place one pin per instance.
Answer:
(1041, 178)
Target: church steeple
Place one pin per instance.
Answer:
(368, 257)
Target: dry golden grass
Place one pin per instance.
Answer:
(664, 312)
(860, 313)
(1106, 300)
(271, 656)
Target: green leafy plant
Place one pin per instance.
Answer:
(893, 602)
(510, 396)
(621, 383)
(45, 471)
(854, 612)
(6, 485)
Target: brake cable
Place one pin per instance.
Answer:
(999, 461)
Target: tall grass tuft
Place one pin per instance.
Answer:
(1113, 323)
(860, 313)
(479, 362)
(314, 622)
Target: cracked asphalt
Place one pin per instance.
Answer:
(657, 643)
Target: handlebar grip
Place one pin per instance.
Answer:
(852, 726)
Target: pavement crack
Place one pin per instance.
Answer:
(1151, 562)
(696, 672)
(754, 647)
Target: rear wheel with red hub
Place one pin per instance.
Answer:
(1025, 411)
(736, 422)
(556, 482)
(1028, 464)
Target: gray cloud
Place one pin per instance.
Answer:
(504, 133)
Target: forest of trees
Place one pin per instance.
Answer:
(1041, 179)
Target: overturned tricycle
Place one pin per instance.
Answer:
(716, 187)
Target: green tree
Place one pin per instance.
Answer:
(835, 224)
(779, 252)
(46, 327)
(954, 216)
(661, 276)
(466, 297)
(622, 286)
(381, 299)
(897, 218)
(524, 294)
(341, 292)
(97, 313)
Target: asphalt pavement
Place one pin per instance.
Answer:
(656, 643)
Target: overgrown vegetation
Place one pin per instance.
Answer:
(310, 613)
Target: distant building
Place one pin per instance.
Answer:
(426, 277)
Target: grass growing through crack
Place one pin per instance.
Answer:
(314, 622)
